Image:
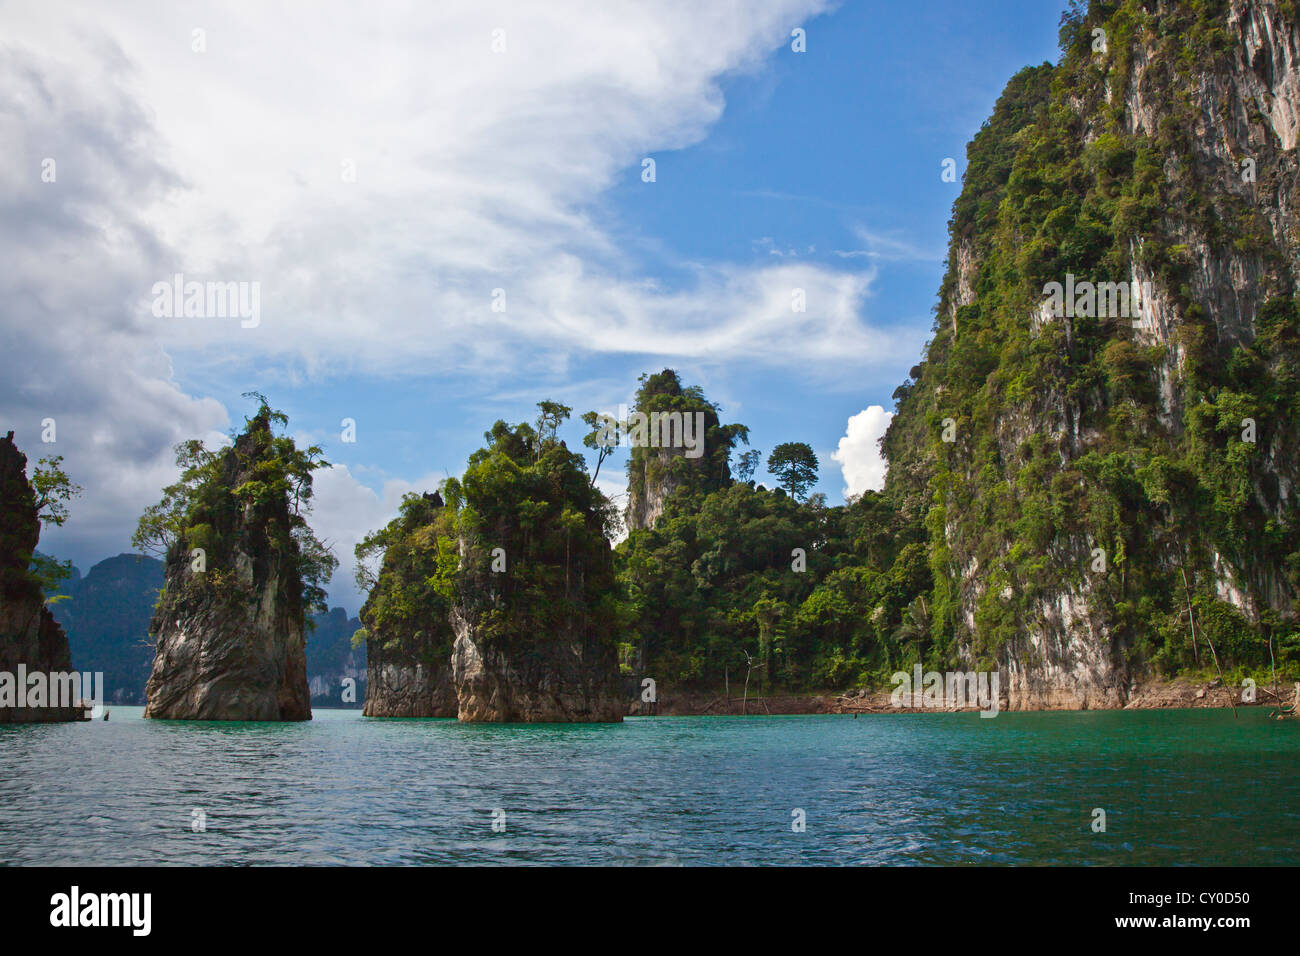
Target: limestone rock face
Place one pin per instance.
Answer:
(1064, 639)
(230, 637)
(665, 470)
(408, 688)
(493, 604)
(568, 680)
(522, 659)
(408, 630)
(217, 662)
(29, 635)
(661, 464)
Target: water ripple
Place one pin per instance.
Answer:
(1177, 787)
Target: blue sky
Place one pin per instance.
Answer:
(517, 168)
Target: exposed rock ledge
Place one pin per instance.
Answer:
(1152, 695)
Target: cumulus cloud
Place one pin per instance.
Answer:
(859, 455)
(344, 510)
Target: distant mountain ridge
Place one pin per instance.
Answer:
(106, 616)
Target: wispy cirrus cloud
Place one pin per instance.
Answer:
(883, 247)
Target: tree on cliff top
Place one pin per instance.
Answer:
(53, 489)
(28, 504)
(795, 467)
(260, 474)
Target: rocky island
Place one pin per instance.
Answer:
(242, 572)
(1105, 486)
(406, 620)
(509, 611)
(30, 638)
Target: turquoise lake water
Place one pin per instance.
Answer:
(1178, 787)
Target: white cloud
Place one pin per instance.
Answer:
(475, 170)
(614, 487)
(74, 252)
(888, 248)
(859, 454)
(344, 511)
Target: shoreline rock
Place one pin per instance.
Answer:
(405, 689)
(1150, 695)
(29, 634)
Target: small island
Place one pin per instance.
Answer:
(242, 572)
(494, 598)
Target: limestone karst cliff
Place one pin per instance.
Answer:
(106, 615)
(1110, 487)
(535, 641)
(406, 618)
(242, 571)
(498, 605)
(679, 445)
(30, 638)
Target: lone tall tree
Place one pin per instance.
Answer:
(795, 467)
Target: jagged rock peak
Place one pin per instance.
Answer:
(677, 445)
